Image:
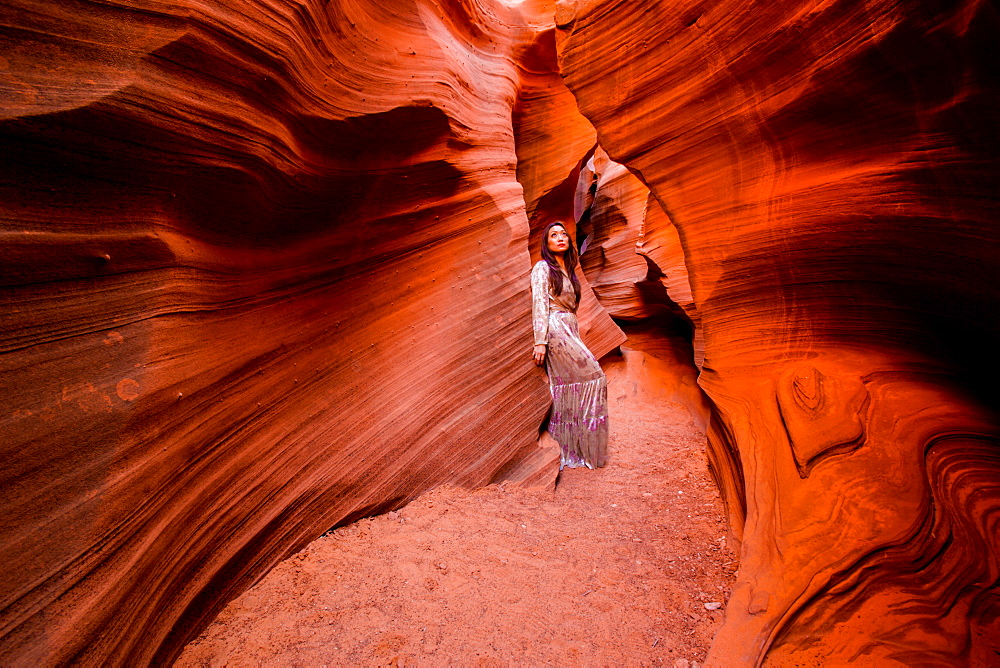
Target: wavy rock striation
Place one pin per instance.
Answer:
(633, 257)
(616, 209)
(831, 170)
(553, 141)
(265, 271)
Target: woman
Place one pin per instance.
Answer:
(579, 420)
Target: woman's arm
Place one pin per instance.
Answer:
(540, 309)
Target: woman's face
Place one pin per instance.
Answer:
(558, 239)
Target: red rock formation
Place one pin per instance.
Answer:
(552, 140)
(831, 171)
(614, 222)
(636, 267)
(264, 272)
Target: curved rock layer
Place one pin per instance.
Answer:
(634, 260)
(632, 256)
(265, 271)
(552, 141)
(831, 169)
(613, 222)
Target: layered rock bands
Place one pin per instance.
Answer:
(831, 171)
(265, 270)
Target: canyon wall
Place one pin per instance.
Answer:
(633, 256)
(552, 140)
(265, 271)
(831, 171)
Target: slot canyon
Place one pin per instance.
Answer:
(265, 274)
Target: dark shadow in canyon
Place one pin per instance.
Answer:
(336, 172)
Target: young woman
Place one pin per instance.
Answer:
(579, 420)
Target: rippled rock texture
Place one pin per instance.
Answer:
(265, 271)
(632, 253)
(553, 140)
(831, 169)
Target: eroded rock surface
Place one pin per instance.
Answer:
(636, 268)
(626, 565)
(265, 271)
(831, 170)
(553, 141)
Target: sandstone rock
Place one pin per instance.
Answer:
(830, 170)
(615, 219)
(633, 256)
(265, 272)
(535, 468)
(553, 140)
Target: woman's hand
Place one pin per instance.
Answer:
(540, 354)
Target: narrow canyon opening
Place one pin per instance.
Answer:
(626, 564)
(623, 565)
(266, 271)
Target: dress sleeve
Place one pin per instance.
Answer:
(540, 302)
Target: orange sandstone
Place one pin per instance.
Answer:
(265, 272)
(830, 170)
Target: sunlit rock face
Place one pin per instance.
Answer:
(831, 169)
(265, 271)
(632, 256)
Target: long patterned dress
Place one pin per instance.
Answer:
(579, 420)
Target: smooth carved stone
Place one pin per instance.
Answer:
(551, 137)
(553, 141)
(759, 603)
(829, 169)
(614, 223)
(536, 468)
(660, 243)
(633, 256)
(565, 12)
(823, 414)
(265, 272)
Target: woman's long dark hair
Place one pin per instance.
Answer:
(570, 257)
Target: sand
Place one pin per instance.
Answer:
(626, 565)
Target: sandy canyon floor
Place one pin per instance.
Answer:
(627, 565)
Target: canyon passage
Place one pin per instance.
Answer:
(265, 274)
(615, 567)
